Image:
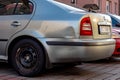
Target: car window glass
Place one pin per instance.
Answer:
(116, 16)
(114, 22)
(15, 7)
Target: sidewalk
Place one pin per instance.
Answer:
(99, 70)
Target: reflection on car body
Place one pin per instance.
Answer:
(51, 32)
(116, 33)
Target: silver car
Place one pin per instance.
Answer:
(35, 34)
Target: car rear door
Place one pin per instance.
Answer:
(12, 20)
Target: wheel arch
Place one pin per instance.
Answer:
(14, 41)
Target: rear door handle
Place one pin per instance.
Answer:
(15, 24)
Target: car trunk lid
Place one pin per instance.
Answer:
(100, 26)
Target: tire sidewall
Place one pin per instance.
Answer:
(39, 63)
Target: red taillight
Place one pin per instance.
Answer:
(86, 27)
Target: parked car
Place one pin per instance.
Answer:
(36, 34)
(116, 32)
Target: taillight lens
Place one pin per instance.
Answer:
(86, 27)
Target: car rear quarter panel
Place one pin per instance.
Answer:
(52, 21)
(56, 29)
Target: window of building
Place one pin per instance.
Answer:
(115, 8)
(108, 6)
(74, 1)
(99, 3)
(16, 7)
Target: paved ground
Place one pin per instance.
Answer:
(99, 70)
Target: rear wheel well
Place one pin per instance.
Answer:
(11, 46)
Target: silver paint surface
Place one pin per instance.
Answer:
(54, 21)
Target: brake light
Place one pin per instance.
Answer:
(86, 27)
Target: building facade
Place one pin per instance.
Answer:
(119, 7)
(106, 6)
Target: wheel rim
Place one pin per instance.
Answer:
(27, 56)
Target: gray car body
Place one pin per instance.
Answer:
(55, 27)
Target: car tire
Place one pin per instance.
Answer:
(28, 58)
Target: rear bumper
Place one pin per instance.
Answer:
(62, 50)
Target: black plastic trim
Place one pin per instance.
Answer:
(3, 39)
